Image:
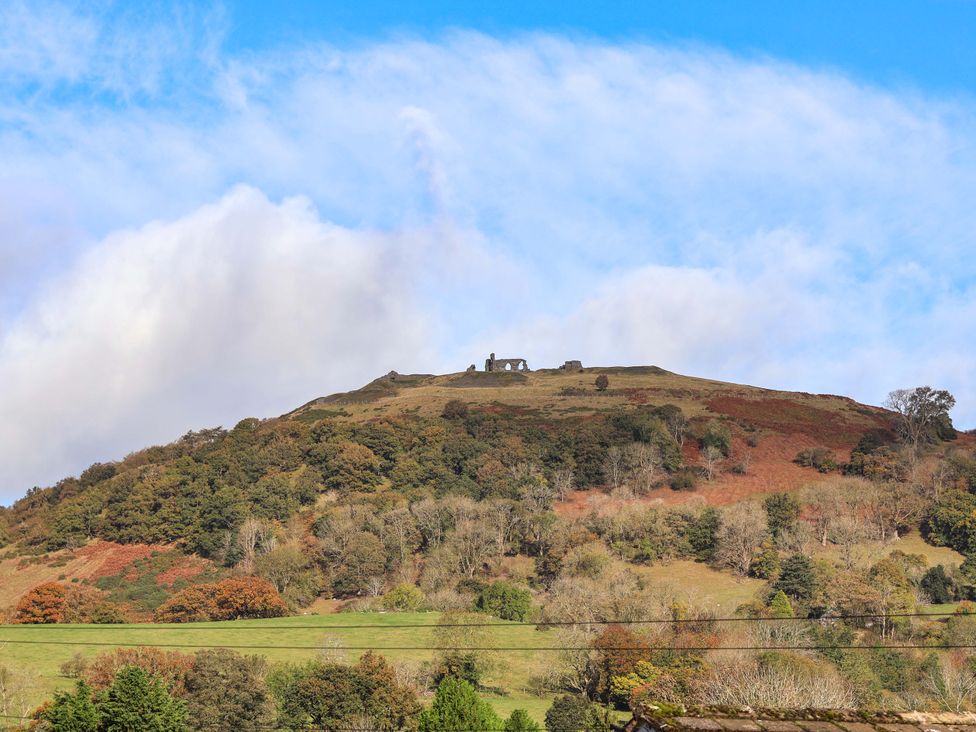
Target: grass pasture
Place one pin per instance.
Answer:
(283, 640)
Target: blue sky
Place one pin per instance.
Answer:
(925, 43)
(215, 211)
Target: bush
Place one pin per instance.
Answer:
(403, 597)
(457, 665)
(455, 409)
(506, 601)
(570, 713)
(602, 382)
(821, 458)
(718, 436)
(684, 480)
(520, 721)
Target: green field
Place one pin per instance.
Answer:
(280, 640)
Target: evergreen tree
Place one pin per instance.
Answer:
(138, 702)
(796, 578)
(73, 712)
(457, 708)
(520, 721)
(780, 606)
(782, 512)
(937, 585)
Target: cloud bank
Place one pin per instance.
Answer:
(193, 237)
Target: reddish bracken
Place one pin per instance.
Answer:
(118, 558)
(187, 569)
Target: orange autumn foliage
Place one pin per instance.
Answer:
(170, 666)
(230, 599)
(53, 602)
(46, 603)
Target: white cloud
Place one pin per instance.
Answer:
(234, 310)
(561, 198)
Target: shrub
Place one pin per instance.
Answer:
(718, 436)
(169, 666)
(684, 480)
(821, 458)
(457, 665)
(602, 382)
(570, 713)
(403, 597)
(455, 409)
(506, 601)
(520, 721)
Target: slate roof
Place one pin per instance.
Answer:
(668, 718)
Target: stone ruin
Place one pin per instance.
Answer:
(572, 366)
(505, 364)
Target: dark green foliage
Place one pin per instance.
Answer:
(224, 690)
(952, 522)
(505, 600)
(938, 585)
(796, 577)
(458, 708)
(520, 721)
(459, 665)
(703, 534)
(685, 479)
(570, 713)
(716, 435)
(363, 558)
(138, 702)
(74, 712)
(330, 695)
(782, 513)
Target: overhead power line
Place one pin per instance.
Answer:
(500, 649)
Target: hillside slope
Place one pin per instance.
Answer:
(403, 438)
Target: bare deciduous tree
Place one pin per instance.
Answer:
(951, 683)
(711, 458)
(743, 530)
(743, 682)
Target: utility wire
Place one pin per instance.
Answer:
(496, 624)
(826, 647)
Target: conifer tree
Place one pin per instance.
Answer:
(457, 708)
(138, 702)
